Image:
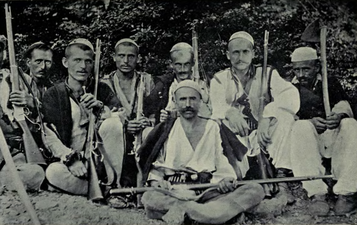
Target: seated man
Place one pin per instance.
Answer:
(191, 152)
(182, 62)
(32, 175)
(66, 114)
(259, 110)
(317, 135)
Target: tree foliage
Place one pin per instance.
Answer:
(156, 25)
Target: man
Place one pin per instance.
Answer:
(66, 109)
(182, 62)
(237, 93)
(317, 135)
(39, 61)
(31, 175)
(192, 153)
(126, 83)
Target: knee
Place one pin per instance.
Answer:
(255, 189)
(54, 172)
(112, 126)
(36, 176)
(348, 123)
(302, 127)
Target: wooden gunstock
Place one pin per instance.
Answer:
(324, 71)
(260, 160)
(32, 152)
(94, 190)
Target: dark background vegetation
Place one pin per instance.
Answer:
(156, 25)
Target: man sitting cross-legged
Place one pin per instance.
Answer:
(189, 150)
(66, 115)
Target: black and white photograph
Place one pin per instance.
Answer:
(136, 112)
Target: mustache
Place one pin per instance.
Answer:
(189, 109)
(240, 61)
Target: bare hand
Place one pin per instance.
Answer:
(264, 138)
(319, 124)
(237, 122)
(21, 98)
(135, 126)
(164, 184)
(333, 120)
(88, 101)
(163, 115)
(78, 169)
(226, 185)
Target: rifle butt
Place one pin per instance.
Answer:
(32, 151)
(94, 190)
(268, 188)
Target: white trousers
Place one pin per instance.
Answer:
(340, 144)
(111, 133)
(280, 141)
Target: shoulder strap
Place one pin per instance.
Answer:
(269, 82)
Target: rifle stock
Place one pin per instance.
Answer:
(261, 162)
(138, 137)
(215, 185)
(94, 190)
(32, 151)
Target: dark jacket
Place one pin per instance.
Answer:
(57, 107)
(311, 101)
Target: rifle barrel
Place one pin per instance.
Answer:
(211, 185)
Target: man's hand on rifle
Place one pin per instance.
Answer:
(237, 122)
(334, 120)
(263, 132)
(164, 114)
(21, 98)
(319, 124)
(88, 101)
(226, 185)
(78, 169)
(135, 126)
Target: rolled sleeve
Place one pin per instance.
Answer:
(54, 144)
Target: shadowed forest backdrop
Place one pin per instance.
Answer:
(156, 25)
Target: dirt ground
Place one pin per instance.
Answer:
(62, 209)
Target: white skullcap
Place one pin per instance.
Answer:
(181, 46)
(126, 40)
(303, 54)
(242, 34)
(189, 84)
(82, 41)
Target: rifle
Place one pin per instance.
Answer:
(94, 190)
(262, 165)
(32, 151)
(311, 34)
(237, 183)
(138, 137)
(196, 73)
